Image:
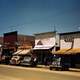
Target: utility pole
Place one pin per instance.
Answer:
(54, 28)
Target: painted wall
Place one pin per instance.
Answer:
(70, 40)
(77, 43)
(45, 39)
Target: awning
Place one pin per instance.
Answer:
(40, 47)
(67, 51)
(62, 51)
(74, 51)
(17, 52)
(24, 52)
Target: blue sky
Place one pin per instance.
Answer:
(36, 16)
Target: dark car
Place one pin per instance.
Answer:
(60, 63)
(28, 60)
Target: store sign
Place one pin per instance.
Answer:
(68, 38)
(10, 37)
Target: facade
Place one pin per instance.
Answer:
(13, 42)
(44, 43)
(1, 42)
(26, 40)
(70, 47)
(70, 40)
(9, 42)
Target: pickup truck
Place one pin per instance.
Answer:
(60, 63)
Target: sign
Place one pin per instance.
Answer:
(10, 37)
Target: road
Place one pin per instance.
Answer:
(21, 73)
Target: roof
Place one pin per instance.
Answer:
(45, 33)
(67, 51)
(69, 33)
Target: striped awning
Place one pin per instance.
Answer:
(22, 52)
(67, 51)
(18, 51)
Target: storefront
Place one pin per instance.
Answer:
(21, 52)
(72, 56)
(44, 44)
(12, 41)
(43, 54)
(70, 48)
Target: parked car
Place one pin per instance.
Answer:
(15, 60)
(60, 63)
(5, 59)
(28, 60)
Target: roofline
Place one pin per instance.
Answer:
(69, 33)
(25, 35)
(44, 33)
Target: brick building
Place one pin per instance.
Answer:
(12, 42)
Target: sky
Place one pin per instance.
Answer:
(37, 16)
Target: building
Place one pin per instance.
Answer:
(25, 44)
(1, 42)
(44, 44)
(12, 42)
(26, 40)
(70, 47)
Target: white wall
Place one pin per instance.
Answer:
(75, 38)
(46, 41)
(64, 44)
(77, 43)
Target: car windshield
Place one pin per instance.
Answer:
(27, 58)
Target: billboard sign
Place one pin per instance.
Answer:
(10, 38)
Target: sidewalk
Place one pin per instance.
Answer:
(43, 66)
(71, 69)
(75, 69)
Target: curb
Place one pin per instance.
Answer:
(75, 69)
(47, 67)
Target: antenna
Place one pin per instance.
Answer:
(54, 28)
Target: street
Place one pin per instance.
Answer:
(22, 73)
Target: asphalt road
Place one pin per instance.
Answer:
(22, 73)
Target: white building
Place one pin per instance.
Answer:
(70, 41)
(70, 45)
(44, 43)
